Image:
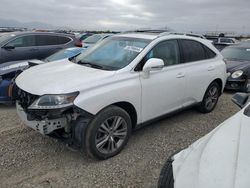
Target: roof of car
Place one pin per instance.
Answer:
(40, 33)
(150, 36)
(154, 35)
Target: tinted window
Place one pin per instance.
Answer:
(23, 41)
(168, 51)
(209, 53)
(63, 40)
(192, 50)
(45, 40)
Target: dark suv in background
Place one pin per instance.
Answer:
(33, 45)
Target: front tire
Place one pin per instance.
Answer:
(166, 179)
(108, 133)
(210, 98)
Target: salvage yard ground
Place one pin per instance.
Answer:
(28, 159)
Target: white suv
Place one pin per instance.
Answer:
(95, 100)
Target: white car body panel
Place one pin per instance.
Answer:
(219, 159)
(173, 92)
(99, 88)
(51, 82)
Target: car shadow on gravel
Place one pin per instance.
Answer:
(7, 106)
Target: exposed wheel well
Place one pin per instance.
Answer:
(219, 81)
(130, 109)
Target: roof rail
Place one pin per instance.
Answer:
(155, 31)
(180, 33)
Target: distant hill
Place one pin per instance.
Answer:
(29, 25)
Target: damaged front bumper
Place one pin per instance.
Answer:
(45, 126)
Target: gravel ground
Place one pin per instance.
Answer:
(28, 159)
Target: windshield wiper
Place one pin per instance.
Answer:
(91, 64)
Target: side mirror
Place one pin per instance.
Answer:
(153, 64)
(240, 99)
(8, 47)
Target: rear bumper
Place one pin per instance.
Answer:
(45, 126)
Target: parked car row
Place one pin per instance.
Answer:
(221, 42)
(35, 47)
(93, 99)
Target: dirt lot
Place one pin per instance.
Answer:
(28, 159)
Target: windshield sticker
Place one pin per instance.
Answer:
(133, 48)
(14, 66)
(248, 50)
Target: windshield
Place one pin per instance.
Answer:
(93, 39)
(62, 54)
(236, 53)
(113, 53)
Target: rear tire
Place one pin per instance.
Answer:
(210, 98)
(108, 133)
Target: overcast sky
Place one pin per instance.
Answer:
(180, 15)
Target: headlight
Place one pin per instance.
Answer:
(54, 101)
(237, 74)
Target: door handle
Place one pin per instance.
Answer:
(210, 68)
(180, 75)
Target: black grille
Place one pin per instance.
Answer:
(24, 98)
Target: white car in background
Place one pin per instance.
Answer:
(124, 81)
(219, 159)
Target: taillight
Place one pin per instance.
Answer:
(78, 43)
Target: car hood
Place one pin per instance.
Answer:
(60, 77)
(14, 66)
(219, 159)
(237, 65)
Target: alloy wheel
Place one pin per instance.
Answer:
(111, 134)
(212, 98)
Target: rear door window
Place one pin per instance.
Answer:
(46, 40)
(63, 40)
(209, 53)
(192, 51)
